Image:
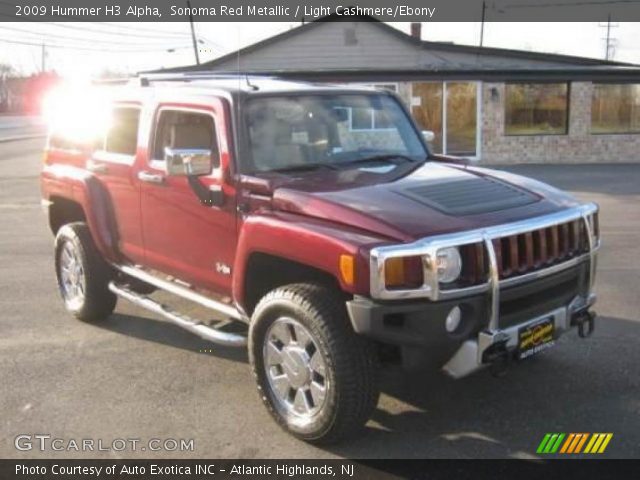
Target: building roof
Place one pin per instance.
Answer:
(420, 58)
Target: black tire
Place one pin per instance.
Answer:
(350, 361)
(97, 301)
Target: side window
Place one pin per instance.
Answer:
(185, 130)
(122, 136)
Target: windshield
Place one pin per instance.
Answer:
(305, 131)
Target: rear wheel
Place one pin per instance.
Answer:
(83, 276)
(315, 375)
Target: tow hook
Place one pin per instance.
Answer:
(585, 321)
(499, 359)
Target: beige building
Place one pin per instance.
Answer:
(496, 105)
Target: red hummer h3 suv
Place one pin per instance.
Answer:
(316, 218)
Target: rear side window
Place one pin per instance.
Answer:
(122, 136)
(185, 130)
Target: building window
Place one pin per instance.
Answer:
(615, 108)
(536, 108)
(450, 111)
(362, 119)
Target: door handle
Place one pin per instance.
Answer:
(96, 167)
(151, 177)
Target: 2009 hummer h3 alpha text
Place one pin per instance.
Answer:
(316, 218)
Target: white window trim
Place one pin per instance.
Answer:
(478, 152)
(373, 123)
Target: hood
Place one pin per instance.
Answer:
(406, 202)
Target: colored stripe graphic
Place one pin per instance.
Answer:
(555, 447)
(574, 443)
(543, 443)
(581, 442)
(567, 443)
(598, 442)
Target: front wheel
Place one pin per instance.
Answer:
(315, 375)
(83, 275)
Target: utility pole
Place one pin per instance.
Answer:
(43, 65)
(193, 34)
(484, 9)
(610, 43)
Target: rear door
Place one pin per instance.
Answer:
(113, 164)
(182, 237)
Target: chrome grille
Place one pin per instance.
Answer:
(530, 251)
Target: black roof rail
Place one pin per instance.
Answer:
(112, 81)
(147, 78)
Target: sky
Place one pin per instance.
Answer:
(87, 49)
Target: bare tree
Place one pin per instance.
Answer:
(7, 70)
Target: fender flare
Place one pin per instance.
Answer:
(89, 192)
(318, 245)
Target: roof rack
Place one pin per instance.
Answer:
(112, 81)
(147, 78)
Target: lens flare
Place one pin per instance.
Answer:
(77, 112)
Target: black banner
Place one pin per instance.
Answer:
(336, 469)
(291, 10)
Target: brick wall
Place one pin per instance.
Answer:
(578, 146)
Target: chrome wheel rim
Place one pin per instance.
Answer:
(72, 276)
(296, 369)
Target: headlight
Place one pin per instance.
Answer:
(403, 273)
(449, 264)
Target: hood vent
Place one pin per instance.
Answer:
(470, 196)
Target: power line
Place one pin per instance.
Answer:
(97, 49)
(150, 30)
(83, 40)
(130, 33)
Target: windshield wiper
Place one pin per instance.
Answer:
(305, 167)
(387, 157)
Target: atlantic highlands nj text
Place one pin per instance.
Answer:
(228, 12)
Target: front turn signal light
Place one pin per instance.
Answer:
(347, 269)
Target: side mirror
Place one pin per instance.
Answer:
(428, 135)
(188, 161)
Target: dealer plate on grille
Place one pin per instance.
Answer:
(535, 338)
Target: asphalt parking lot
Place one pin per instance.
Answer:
(137, 377)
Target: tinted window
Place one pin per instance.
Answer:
(615, 108)
(536, 108)
(185, 130)
(122, 136)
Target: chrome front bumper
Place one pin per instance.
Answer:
(471, 354)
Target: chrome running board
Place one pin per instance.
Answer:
(182, 321)
(184, 292)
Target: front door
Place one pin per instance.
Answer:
(182, 237)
